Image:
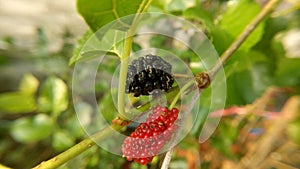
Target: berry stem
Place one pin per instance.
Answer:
(184, 88)
(168, 156)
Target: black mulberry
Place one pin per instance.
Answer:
(148, 73)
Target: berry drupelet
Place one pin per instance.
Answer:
(149, 137)
(148, 73)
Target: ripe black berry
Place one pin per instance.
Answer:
(148, 73)
(149, 137)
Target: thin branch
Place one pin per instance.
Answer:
(77, 149)
(269, 7)
(177, 75)
(123, 73)
(183, 89)
(125, 58)
(168, 156)
(4, 167)
(167, 159)
(147, 6)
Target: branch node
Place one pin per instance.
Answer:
(120, 121)
(203, 80)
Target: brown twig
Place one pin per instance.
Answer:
(261, 150)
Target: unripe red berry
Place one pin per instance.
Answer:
(149, 137)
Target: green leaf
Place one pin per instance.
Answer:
(159, 42)
(79, 46)
(248, 75)
(240, 89)
(98, 13)
(242, 60)
(17, 102)
(273, 26)
(235, 20)
(107, 108)
(262, 74)
(199, 14)
(53, 97)
(224, 139)
(29, 84)
(179, 5)
(31, 129)
(88, 55)
(221, 39)
(136, 47)
(74, 127)
(62, 140)
(159, 4)
(205, 101)
(89, 46)
(287, 73)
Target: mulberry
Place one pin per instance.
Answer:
(149, 137)
(148, 73)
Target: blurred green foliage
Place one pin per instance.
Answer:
(38, 121)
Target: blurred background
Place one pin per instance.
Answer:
(260, 126)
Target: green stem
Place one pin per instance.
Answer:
(123, 74)
(125, 59)
(4, 167)
(147, 6)
(168, 156)
(184, 88)
(77, 149)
